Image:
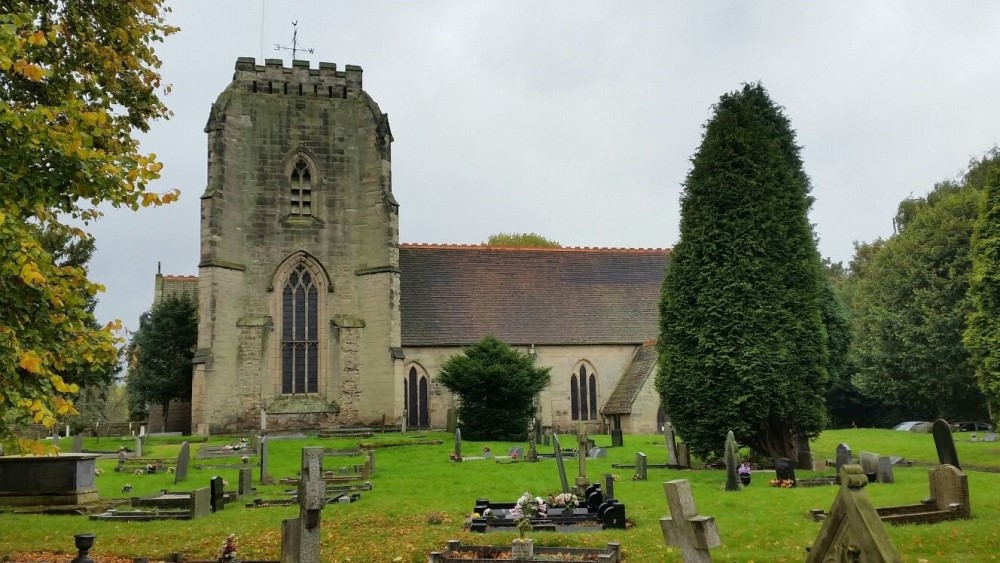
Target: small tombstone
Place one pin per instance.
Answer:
(803, 453)
(784, 469)
(868, 462)
(990, 437)
(853, 530)
(884, 470)
(201, 502)
(684, 529)
(138, 446)
(595, 453)
(265, 476)
(77, 443)
(516, 451)
(641, 467)
(546, 439)
(458, 445)
(255, 443)
(371, 460)
(684, 455)
(617, 440)
(559, 463)
(843, 456)
(183, 460)
(609, 485)
(450, 422)
(945, 443)
(246, 482)
(218, 493)
(950, 489)
(300, 537)
(668, 435)
(732, 457)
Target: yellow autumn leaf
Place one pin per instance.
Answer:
(37, 38)
(31, 362)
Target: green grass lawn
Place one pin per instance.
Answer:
(413, 483)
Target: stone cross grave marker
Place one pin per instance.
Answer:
(371, 460)
(668, 434)
(784, 470)
(559, 463)
(581, 456)
(853, 530)
(77, 443)
(732, 457)
(945, 443)
(218, 493)
(684, 529)
(246, 482)
(458, 444)
(641, 466)
(300, 537)
(532, 448)
(843, 457)
(884, 470)
(183, 460)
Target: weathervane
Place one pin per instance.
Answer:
(295, 42)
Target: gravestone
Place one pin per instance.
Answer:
(950, 490)
(596, 453)
(183, 460)
(546, 438)
(804, 456)
(853, 530)
(732, 458)
(641, 466)
(559, 463)
(77, 443)
(450, 421)
(990, 437)
(402, 422)
(609, 485)
(218, 493)
(371, 460)
(532, 449)
(246, 482)
(784, 469)
(300, 537)
(581, 456)
(255, 443)
(843, 457)
(458, 444)
(265, 475)
(516, 451)
(201, 502)
(884, 470)
(138, 446)
(684, 455)
(668, 434)
(685, 529)
(945, 443)
(869, 463)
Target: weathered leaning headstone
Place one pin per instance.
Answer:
(950, 490)
(668, 434)
(641, 467)
(598, 452)
(945, 443)
(457, 456)
(853, 530)
(868, 462)
(843, 457)
(559, 463)
(685, 529)
(300, 537)
(884, 470)
(183, 460)
(684, 455)
(732, 457)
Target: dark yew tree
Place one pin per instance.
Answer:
(160, 353)
(496, 386)
(982, 335)
(743, 344)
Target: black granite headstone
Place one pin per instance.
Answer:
(784, 469)
(945, 443)
(218, 498)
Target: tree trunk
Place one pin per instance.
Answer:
(775, 438)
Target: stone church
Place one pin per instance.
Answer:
(313, 315)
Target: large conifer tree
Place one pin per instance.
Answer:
(982, 335)
(742, 339)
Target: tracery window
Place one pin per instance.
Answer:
(299, 333)
(583, 395)
(301, 186)
(415, 397)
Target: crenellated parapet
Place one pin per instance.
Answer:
(299, 80)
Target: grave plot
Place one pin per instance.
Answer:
(346, 433)
(166, 505)
(458, 552)
(342, 486)
(594, 513)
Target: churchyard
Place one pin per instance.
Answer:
(419, 499)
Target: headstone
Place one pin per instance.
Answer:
(458, 444)
(532, 444)
(246, 482)
(803, 455)
(516, 451)
(255, 443)
(183, 460)
(450, 422)
(201, 502)
(945, 443)
(77, 443)
(784, 469)
(884, 470)
(581, 456)
(609, 485)
(732, 458)
(853, 530)
(546, 439)
(371, 460)
(843, 456)
(595, 453)
(559, 463)
(617, 440)
(402, 422)
(685, 529)
(300, 537)
(869, 463)
(668, 434)
(641, 467)
(950, 490)
(138, 446)
(684, 455)
(218, 493)
(990, 437)
(265, 475)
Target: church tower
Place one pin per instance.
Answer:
(298, 279)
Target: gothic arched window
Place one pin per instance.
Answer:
(299, 333)
(583, 395)
(415, 397)
(301, 185)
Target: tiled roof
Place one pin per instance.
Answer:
(636, 373)
(455, 295)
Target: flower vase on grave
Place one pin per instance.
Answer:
(745, 479)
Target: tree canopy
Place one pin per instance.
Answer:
(77, 79)
(529, 240)
(161, 351)
(496, 386)
(743, 344)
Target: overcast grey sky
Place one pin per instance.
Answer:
(577, 119)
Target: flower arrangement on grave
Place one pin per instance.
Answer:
(563, 500)
(228, 552)
(528, 507)
(743, 470)
(782, 483)
(245, 459)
